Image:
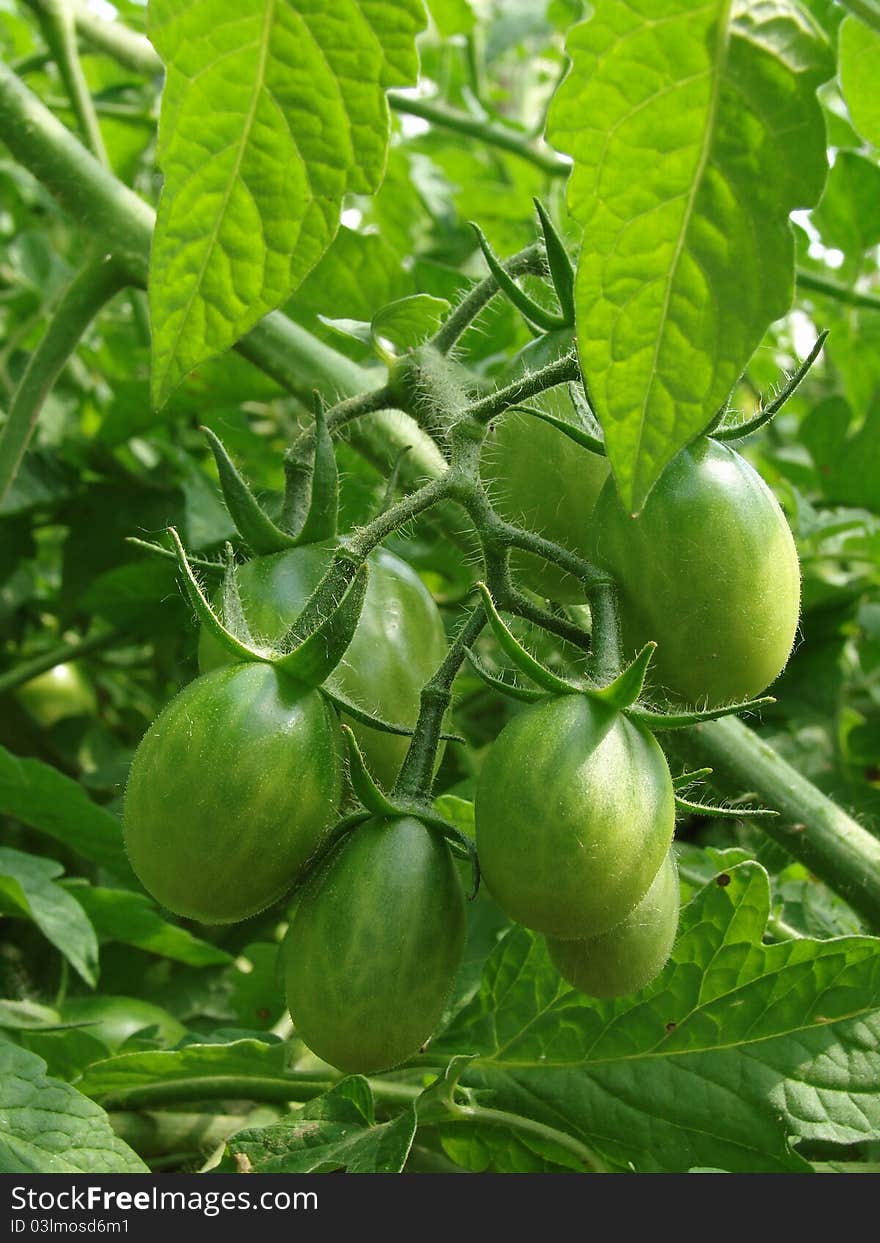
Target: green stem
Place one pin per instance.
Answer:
(812, 828)
(156, 1135)
(58, 26)
(133, 50)
(59, 655)
(92, 287)
(833, 289)
(528, 1126)
(530, 260)
(561, 372)
(501, 136)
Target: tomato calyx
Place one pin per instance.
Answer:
(313, 505)
(377, 803)
(623, 693)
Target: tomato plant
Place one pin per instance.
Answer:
(574, 813)
(427, 430)
(231, 791)
(369, 966)
(397, 646)
(709, 571)
(632, 953)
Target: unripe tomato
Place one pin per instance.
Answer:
(541, 480)
(230, 792)
(709, 571)
(630, 955)
(114, 1019)
(60, 692)
(372, 952)
(574, 815)
(398, 644)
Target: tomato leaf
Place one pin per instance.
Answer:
(734, 1051)
(269, 117)
(859, 71)
(47, 1127)
(695, 132)
(337, 1131)
(28, 890)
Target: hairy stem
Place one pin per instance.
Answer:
(532, 259)
(92, 287)
(56, 20)
(63, 653)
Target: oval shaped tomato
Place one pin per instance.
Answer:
(709, 571)
(114, 1019)
(60, 692)
(633, 953)
(372, 952)
(541, 480)
(574, 814)
(398, 644)
(230, 792)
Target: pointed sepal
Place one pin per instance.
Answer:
(462, 845)
(560, 265)
(528, 307)
(315, 657)
(683, 780)
(344, 704)
(578, 434)
(721, 813)
(233, 611)
(205, 613)
(681, 720)
(524, 661)
(740, 430)
(253, 524)
(391, 486)
(526, 694)
(322, 512)
(368, 792)
(626, 689)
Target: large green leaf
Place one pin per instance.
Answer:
(695, 131)
(47, 1127)
(338, 1131)
(43, 798)
(28, 890)
(129, 917)
(737, 1048)
(859, 74)
(272, 111)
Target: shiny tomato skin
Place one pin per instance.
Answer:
(398, 645)
(574, 814)
(372, 952)
(629, 956)
(230, 792)
(709, 571)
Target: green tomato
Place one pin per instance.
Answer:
(709, 571)
(631, 955)
(538, 478)
(60, 692)
(372, 952)
(230, 792)
(398, 644)
(114, 1019)
(574, 814)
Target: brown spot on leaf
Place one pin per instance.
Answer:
(722, 880)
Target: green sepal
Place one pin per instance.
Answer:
(527, 306)
(200, 563)
(391, 485)
(626, 689)
(206, 615)
(740, 430)
(680, 720)
(721, 813)
(683, 780)
(526, 694)
(363, 717)
(560, 265)
(233, 610)
(362, 782)
(315, 657)
(253, 524)
(322, 515)
(580, 437)
(524, 661)
(462, 845)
